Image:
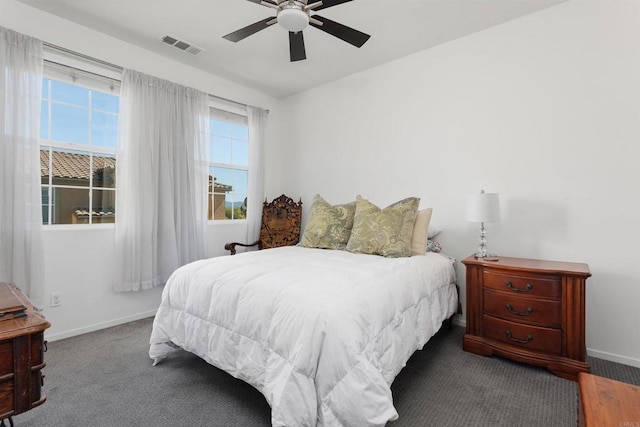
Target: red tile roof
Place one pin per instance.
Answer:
(76, 166)
(73, 165)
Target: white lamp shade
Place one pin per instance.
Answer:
(483, 207)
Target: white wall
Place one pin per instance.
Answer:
(543, 109)
(79, 262)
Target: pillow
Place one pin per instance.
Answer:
(433, 231)
(419, 238)
(328, 226)
(385, 232)
(433, 246)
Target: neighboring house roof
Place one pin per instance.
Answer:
(73, 165)
(84, 213)
(76, 166)
(218, 187)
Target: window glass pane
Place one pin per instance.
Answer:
(69, 124)
(104, 202)
(45, 88)
(44, 120)
(240, 181)
(223, 179)
(69, 94)
(220, 128)
(241, 132)
(104, 171)
(217, 206)
(235, 207)
(70, 206)
(104, 129)
(240, 153)
(45, 205)
(221, 150)
(44, 165)
(230, 190)
(105, 102)
(71, 168)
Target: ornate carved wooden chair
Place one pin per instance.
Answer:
(280, 225)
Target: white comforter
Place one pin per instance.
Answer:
(321, 333)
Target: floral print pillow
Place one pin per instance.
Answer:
(387, 232)
(328, 226)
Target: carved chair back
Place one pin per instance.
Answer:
(281, 221)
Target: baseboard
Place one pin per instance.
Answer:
(459, 321)
(98, 326)
(614, 357)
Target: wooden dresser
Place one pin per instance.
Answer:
(531, 311)
(22, 349)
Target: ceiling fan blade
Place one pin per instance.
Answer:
(355, 37)
(242, 33)
(328, 3)
(296, 46)
(270, 2)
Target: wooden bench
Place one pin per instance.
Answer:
(604, 402)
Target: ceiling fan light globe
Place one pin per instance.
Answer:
(293, 20)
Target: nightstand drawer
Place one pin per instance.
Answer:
(535, 338)
(520, 284)
(523, 309)
(7, 393)
(6, 357)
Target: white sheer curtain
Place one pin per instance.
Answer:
(161, 196)
(21, 246)
(256, 118)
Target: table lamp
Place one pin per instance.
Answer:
(483, 207)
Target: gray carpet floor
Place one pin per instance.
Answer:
(105, 378)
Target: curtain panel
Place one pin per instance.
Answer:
(21, 244)
(256, 118)
(161, 187)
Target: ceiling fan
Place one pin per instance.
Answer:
(294, 16)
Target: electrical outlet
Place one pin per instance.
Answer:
(56, 299)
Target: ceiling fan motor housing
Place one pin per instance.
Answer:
(293, 16)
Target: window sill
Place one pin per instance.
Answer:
(227, 222)
(78, 227)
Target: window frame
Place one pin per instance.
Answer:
(67, 68)
(229, 112)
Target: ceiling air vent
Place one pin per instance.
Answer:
(182, 45)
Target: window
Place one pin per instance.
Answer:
(228, 156)
(78, 131)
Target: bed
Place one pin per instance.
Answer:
(320, 333)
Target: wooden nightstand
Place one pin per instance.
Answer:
(527, 310)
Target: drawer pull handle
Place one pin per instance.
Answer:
(45, 346)
(527, 312)
(527, 288)
(518, 340)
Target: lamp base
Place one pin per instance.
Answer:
(486, 257)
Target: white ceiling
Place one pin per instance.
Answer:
(261, 61)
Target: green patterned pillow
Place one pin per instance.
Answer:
(385, 232)
(328, 226)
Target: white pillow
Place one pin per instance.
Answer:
(433, 231)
